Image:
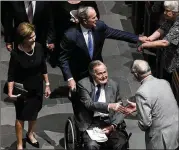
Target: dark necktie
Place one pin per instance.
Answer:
(90, 44)
(30, 12)
(97, 94)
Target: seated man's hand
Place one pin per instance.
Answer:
(114, 106)
(107, 130)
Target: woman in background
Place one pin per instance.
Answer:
(27, 66)
(169, 39)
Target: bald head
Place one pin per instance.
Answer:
(141, 68)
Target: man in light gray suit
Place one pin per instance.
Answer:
(156, 107)
(99, 96)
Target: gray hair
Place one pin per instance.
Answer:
(93, 64)
(172, 5)
(82, 13)
(141, 67)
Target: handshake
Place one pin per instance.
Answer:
(143, 40)
(126, 108)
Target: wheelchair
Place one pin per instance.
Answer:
(73, 137)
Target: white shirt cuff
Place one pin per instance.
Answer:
(70, 79)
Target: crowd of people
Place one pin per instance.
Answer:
(72, 34)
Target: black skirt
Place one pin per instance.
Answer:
(27, 108)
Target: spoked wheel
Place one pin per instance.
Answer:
(70, 135)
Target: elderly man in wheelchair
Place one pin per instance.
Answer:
(97, 123)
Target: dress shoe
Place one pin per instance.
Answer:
(36, 144)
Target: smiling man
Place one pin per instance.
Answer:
(99, 95)
(84, 42)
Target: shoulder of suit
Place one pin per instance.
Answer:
(148, 85)
(100, 24)
(112, 82)
(71, 30)
(71, 33)
(84, 81)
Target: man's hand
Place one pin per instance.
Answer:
(72, 84)
(114, 106)
(51, 46)
(9, 46)
(130, 108)
(107, 130)
(140, 48)
(143, 39)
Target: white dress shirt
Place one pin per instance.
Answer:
(102, 99)
(85, 34)
(26, 3)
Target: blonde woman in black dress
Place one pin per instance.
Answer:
(27, 66)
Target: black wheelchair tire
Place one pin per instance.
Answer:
(70, 122)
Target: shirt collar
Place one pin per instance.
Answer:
(84, 30)
(27, 3)
(146, 78)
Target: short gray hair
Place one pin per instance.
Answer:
(93, 64)
(140, 67)
(82, 12)
(172, 5)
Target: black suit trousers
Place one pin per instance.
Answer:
(116, 140)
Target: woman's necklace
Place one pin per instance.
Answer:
(26, 52)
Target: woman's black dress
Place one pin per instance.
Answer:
(29, 71)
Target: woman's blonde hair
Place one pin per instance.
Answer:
(24, 30)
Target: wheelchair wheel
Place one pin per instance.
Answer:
(70, 136)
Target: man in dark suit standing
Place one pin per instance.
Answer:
(100, 98)
(84, 43)
(35, 12)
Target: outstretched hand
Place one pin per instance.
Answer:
(130, 108)
(143, 39)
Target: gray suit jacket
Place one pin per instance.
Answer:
(158, 114)
(86, 107)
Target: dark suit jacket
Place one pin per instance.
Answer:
(85, 107)
(42, 20)
(74, 57)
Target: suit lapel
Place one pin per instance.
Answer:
(81, 41)
(92, 89)
(22, 5)
(37, 9)
(108, 93)
(95, 39)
